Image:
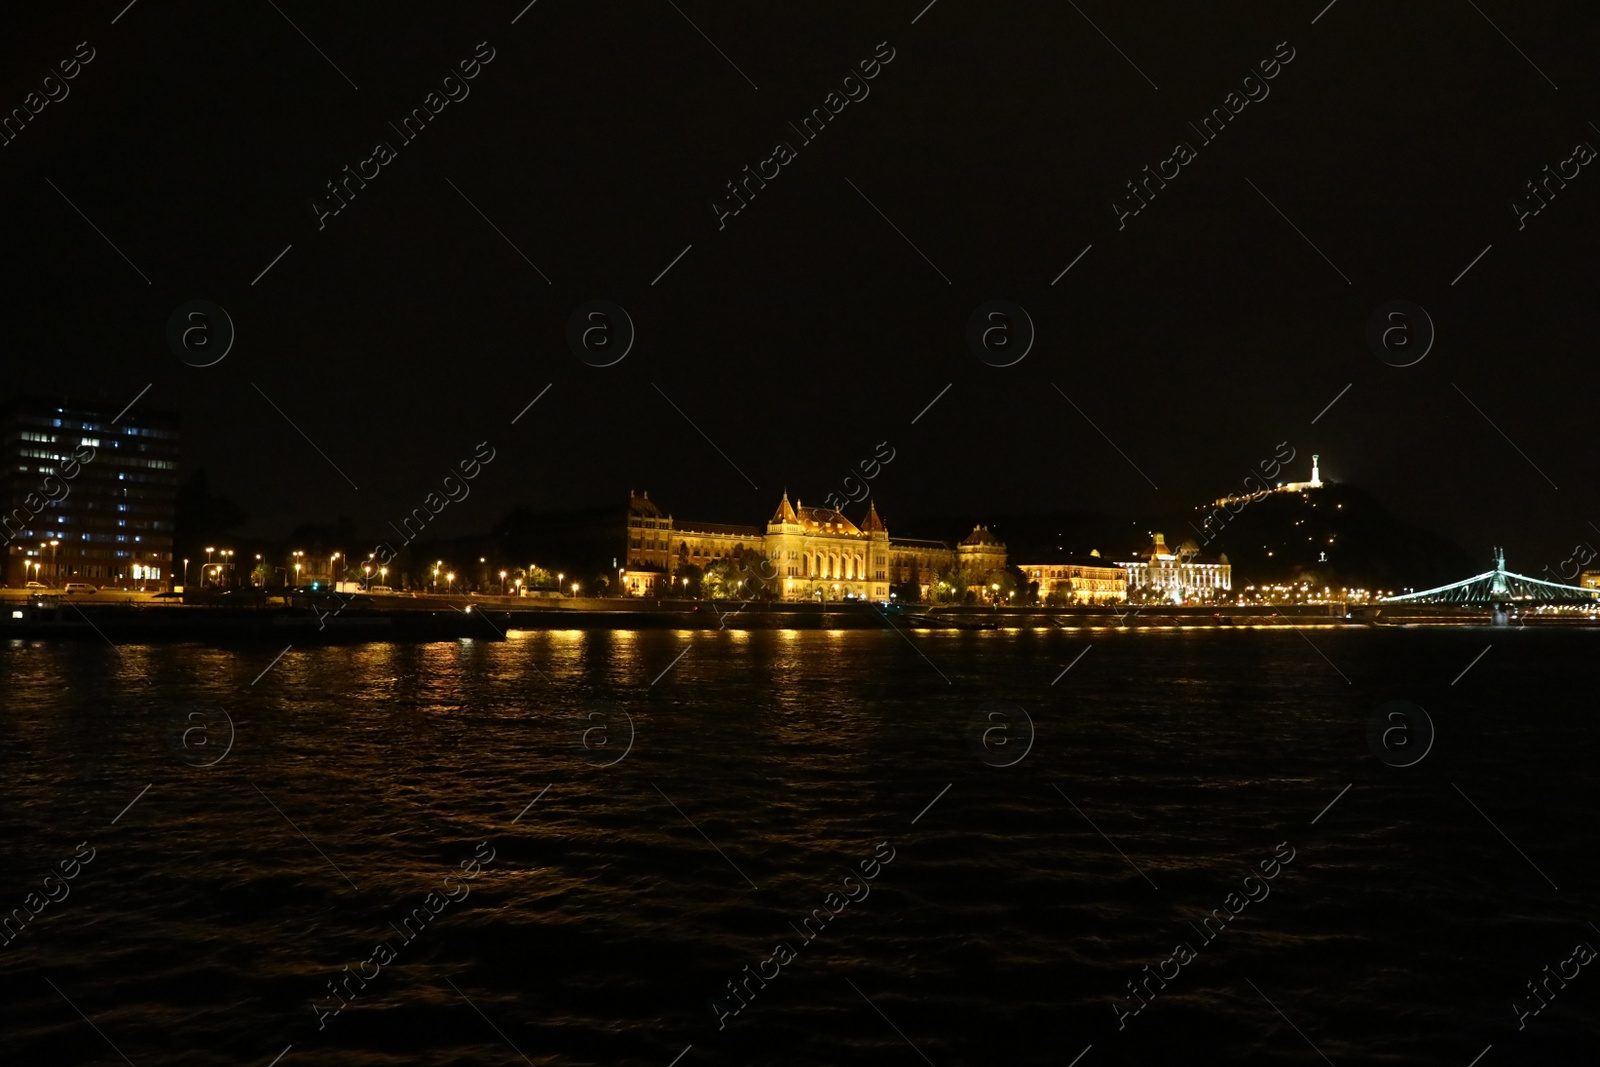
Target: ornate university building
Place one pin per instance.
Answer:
(819, 554)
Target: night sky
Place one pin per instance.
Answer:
(808, 330)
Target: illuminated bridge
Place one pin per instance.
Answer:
(1500, 586)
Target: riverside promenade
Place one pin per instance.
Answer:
(117, 616)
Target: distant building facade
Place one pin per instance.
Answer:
(1079, 580)
(1160, 573)
(86, 494)
(818, 553)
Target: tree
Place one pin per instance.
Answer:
(723, 580)
(535, 578)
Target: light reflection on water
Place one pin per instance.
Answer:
(208, 923)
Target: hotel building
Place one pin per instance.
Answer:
(819, 554)
(86, 493)
(1177, 577)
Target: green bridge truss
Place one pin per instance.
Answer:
(1500, 586)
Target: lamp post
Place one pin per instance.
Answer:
(208, 564)
(502, 583)
(331, 579)
(186, 575)
(450, 580)
(55, 572)
(574, 588)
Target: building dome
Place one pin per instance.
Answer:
(980, 535)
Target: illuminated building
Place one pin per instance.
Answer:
(818, 554)
(1159, 573)
(99, 484)
(1079, 580)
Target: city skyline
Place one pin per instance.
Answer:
(647, 477)
(1163, 359)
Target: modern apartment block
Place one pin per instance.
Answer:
(86, 493)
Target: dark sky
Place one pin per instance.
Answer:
(809, 330)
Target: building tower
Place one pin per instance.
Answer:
(1316, 478)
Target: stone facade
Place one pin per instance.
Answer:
(1081, 580)
(818, 553)
(1177, 577)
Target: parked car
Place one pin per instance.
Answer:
(168, 595)
(36, 585)
(381, 589)
(81, 587)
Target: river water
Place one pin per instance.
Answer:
(569, 843)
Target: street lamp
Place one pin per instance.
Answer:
(574, 588)
(502, 583)
(55, 572)
(450, 578)
(334, 581)
(185, 574)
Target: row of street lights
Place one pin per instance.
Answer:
(219, 564)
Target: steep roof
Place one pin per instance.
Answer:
(874, 523)
(817, 518)
(642, 505)
(785, 512)
(913, 542)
